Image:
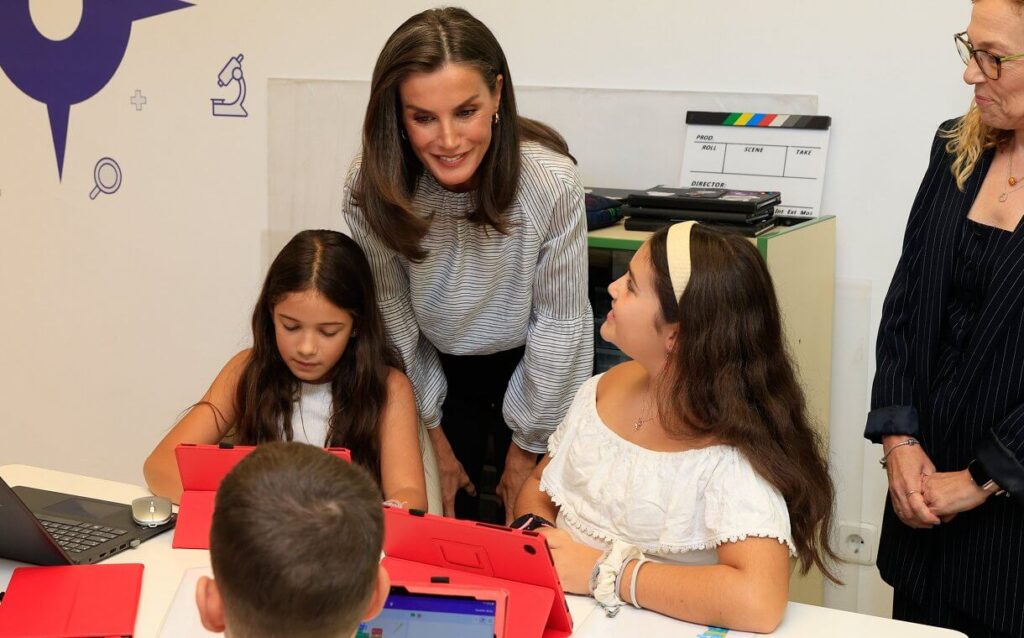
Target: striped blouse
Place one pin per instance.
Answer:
(480, 292)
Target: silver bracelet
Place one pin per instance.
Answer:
(622, 570)
(884, 461)
(632, 582)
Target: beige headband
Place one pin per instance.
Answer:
(677, 249)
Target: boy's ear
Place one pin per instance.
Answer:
(380, 593)
(210, 604)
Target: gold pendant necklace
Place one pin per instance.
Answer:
(1011, 180)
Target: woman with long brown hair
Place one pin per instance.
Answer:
(319, 372)
(473, 221)
(682, 481)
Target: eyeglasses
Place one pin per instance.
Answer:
(989, 64)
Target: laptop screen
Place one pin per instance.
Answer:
(430, 616)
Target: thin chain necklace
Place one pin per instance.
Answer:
(641, 420)
(1011, 180)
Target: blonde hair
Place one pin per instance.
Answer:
(968, 139)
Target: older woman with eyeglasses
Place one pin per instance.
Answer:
(947, 403)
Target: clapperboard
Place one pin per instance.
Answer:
(759, 152)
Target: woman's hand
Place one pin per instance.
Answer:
(574, 561)
(452, 475)
(949, 493)
(519, 464)
(906, 468)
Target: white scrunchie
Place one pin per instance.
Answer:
(605, 575)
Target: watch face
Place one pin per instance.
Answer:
(978, 473)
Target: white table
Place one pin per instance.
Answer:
(165, 567)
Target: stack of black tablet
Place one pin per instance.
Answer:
(747, 212)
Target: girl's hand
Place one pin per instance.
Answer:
(906, 467)
(574, 561)
(949, 493)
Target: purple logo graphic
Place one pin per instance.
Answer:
(72, 70)
(138, 100)
(108, 167)
(231, 72)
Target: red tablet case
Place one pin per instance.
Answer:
(71, 601)
(527, 607)
(202, 468)
(422, 546)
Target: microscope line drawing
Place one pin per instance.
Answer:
(232, 72)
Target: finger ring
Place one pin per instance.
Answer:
(911, 493)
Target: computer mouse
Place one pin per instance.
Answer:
(151, 511)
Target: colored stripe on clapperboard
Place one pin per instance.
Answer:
(765, 120)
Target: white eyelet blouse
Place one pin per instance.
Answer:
(675, 506)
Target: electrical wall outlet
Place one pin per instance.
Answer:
(857, 542)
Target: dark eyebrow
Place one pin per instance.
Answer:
(328, 323)
(465, 103)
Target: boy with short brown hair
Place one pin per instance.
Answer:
(295, 547)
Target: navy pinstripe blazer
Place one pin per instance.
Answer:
(976, 562)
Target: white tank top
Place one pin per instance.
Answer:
(311, 414)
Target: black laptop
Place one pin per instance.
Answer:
(50, 528)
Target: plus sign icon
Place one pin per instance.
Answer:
(66, 72)
(138, 100)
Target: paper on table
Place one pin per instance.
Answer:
(182, 620)
(580, 607)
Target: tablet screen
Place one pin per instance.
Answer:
(431, 616)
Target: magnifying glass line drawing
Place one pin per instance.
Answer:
(105, 186)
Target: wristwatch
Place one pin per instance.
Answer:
(979, 475)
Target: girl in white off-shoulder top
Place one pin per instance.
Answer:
(684, 480)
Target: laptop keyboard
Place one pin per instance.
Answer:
(76, 538)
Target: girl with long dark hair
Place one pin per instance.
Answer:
(319, 371)
(473, 220)
(693, 467)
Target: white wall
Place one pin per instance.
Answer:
(118, 312)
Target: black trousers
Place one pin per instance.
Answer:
(471, 414)
(940, 614)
